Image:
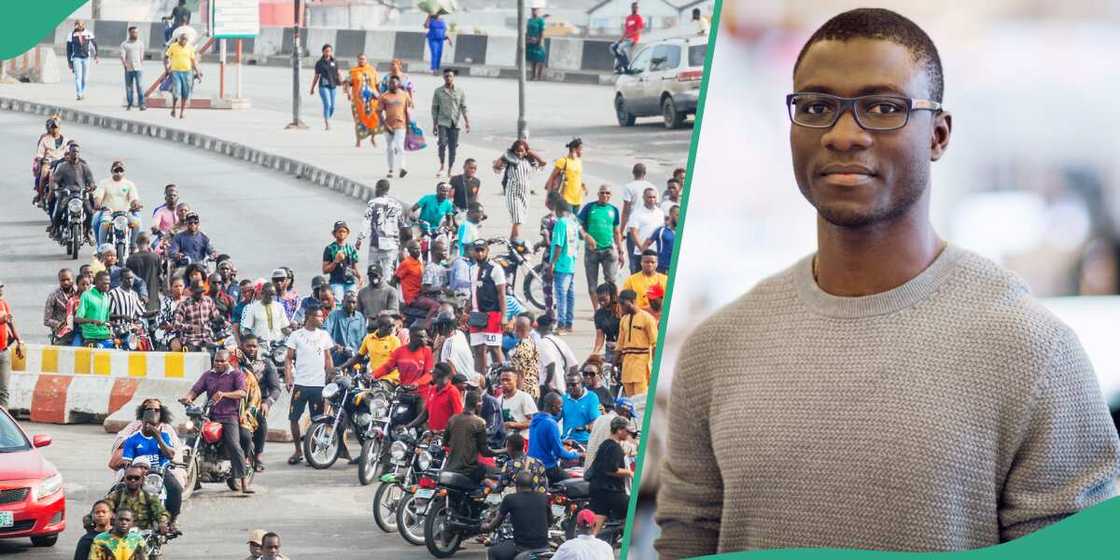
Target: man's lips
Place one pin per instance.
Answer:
(847, 174)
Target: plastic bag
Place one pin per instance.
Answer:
(431, 7)
(414, 138)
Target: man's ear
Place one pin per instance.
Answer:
(939, 137)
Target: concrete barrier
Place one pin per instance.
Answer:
(38, 65)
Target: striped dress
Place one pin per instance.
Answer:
(517, 183)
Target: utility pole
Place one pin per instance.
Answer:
(296, 123)
(522, 124)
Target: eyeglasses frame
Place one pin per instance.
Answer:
(849, 104)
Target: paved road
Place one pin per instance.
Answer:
(319, 514)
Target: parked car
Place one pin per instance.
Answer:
(32, 501)
(663, 79)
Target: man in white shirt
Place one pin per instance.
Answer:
(557, 358)
(585, 546)
(518, 407)
(116, 194)
(456, 349)
(632, 194)
(644, 221)
(305, 372)
(265, 318)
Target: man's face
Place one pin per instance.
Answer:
(350, 302)
(126, 279)
(192, 225)
(65, 281)
(449, 79)
(225, 270)
(474, 215)
(181, 212)
(341, 234)
(171, 197)
(314, 319)
(574, 383)
(328, 52)
(480, 253)
(197, 291)
(362, 60)
(414, 250)
(134, 479)
(439, 251)
(133, 34)
(604, 196)
(591, 378)
(673, 190)
(441, 191)
(509, 382)
(73, 154)
(375, 280)
(855, 177)
(177, 289)
(109, 258)
(250, 347)
(470, 169)
(442, 381)
(122, 522)
(649, 264)
(102, 283)
(271, 547)
(221, 361)
(394, 84)
(183, 40)
(649, 197)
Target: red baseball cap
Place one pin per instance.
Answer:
(585, 518)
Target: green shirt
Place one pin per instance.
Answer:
(147, 512)
(565, 245)
(433, 211)
(94, 305)
(600, 220)
(107, 546)
(448, 106)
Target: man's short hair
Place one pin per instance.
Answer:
(98, 276)
(877, 23)
(441, 370)
(246, 337)
(471, 400)
(649, 253)
(382, 186)
(131, 27)
(628, 295)
(515, 440)
(639, 170)
(469, 161)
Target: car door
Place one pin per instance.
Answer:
(637, 93)
(665, 64)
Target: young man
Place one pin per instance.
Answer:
(488, 306)
(305, 373)
(56, 311)
(181, 63)
(265, 318)
(557, 358)
(601, 223)
(382, 223)
(647, 277)
(545, 444)
(663, 238)
(468, 230)
(378, 344)
(581, 409)
(672, 195)
(644, 220)
(961, 413)
(393, 108)
(562, 254)
(608, 475)
(464, 188)
(132, 58)
(226, 385)
(449, 104)
(632, 199)
(80, 48)
(116, 193)
(584, 546)
(435, 209)
(91, 319)
(466, 439)
(340, 261)
(637, 341)
(531, 515)
(410, 273)
(270, 546)
(376, 297)
(146, 265)
(518, 407)
(120, 541)
(632, 29)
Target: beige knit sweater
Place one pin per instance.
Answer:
(952, 412)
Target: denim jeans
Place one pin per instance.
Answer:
(339, 290)
(102, 226)
(132, 82)
(328, 95)
(593, 260)
(394, 151)
(565, 298)
(81, 72)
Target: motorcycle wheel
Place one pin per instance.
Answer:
(385, 503)
(534, 288)
(122, 253)
(75, 241)
(369, 461)
(192, 478)
(316, 455)
(233, 484)
(436, 537)
(410, 523)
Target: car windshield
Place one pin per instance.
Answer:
(11, 438)
(696, 54)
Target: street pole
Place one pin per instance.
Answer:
(522, 125)
(296, 123)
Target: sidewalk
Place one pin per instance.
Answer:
(333, 151)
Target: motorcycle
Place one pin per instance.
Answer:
(40, 168)
(154, 541)
(428, 458)
(324, 439)
(278, 353)
(516, 257)
(394, 485)
(373, 420)
(444, 233)
(457, 513)
(72, 227)
(120, 234)
(132, 335)
(204, 456)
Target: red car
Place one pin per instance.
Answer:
(32, 502)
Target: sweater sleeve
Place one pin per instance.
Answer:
(690, 499)
(1069, 454)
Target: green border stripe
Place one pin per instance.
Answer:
(25, 23)
(651, 394)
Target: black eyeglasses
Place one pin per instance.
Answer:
(133, 478)
(872, 112)
(576, 384)
(152, 410)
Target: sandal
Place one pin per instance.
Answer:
(259, 467)
(295, 459)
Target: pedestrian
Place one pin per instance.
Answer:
(525, 358)
(146, 265)
(469, 230)
(632, 28)
(132, 57)
(270, 546)
(663, 238)
(305, 373)
(672, 195)
(340, 261)
(256, 538)
(585, 545)
(180, 15)
(464, 187)
(437, 35)
(376, 297)
(362, 91)
(395, 106)
(516, 168)
(621, 407)
(80, 48)
(181, 63)
(410, 273)
(644, 221)
(608, 475)
(567, 176)
(488, 306)
(264, 318)
(607, 314)
(647, 277)
(557, 357)
(396, 68)
(548, 222)
(449, 104)
(328, 78)
(382, 224)
(563, 251)
(535, 54)
(56, 309)
(637, 339)
(9, 345)
(633, 202)
(601, 222)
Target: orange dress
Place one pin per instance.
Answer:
(363, 79)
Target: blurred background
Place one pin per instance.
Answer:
(1031, 178)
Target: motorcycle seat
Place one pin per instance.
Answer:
(574, 488)
(456, 480)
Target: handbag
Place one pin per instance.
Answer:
(414, 138)
(478, 319)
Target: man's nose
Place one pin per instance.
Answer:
(846, 135)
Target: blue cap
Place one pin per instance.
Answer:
(625, 404)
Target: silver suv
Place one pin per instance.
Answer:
(663, 79)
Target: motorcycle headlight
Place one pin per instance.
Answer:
(280, 354)
(121, 222)
(424, 461)
(74, 206)
(153, 484)
(363, 419)
(330, 390)
(379, 407)
(48, 487)
(398, 450)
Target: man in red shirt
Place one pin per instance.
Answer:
(9, 344)
(414, 362)
(409, 273)
(444, 399)
(632, 30)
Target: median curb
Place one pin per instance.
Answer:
(288, 166)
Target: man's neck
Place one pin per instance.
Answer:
(854, 262)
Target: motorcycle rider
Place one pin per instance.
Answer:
(192, 320)
(56, 312)
(544, 439)
(585, 545)
(432, 211)
(116, 194)
(152, 411)
(225, 387)
(164, 217)
(72, 173)
(51, 148)
(531, 517)
(248, 358)
(466, 440)
(126, 309)
(148, 513)
(120, 542)
(190, 246)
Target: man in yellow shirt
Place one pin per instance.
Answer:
(637, 339)
(567, 176)
(181, 63)
(640, 282)
(377, 346)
